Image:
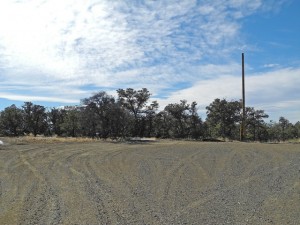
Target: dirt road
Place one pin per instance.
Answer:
(165, 182)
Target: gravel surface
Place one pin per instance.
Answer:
(163, 182)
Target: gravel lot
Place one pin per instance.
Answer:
(163, 182)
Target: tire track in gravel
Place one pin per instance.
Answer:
(168, 182)
(95, 188)
(236, 169)
(42, 195)
(13, 184)
(179, 174)
(124, 170)
(155, 180)
(97, 191)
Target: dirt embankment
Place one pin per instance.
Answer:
(162, 182)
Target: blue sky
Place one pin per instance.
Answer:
(56, 52)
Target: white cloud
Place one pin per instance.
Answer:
(271, 65)
(277, 92)
(31, 98)
(56, 48)
(102, 42)
(274, 6)
(71, 39)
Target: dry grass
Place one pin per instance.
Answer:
(294, 140)
(45, 140)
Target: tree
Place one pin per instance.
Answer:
(181, 120)
(89, 121)
(283, 123)
(100, 107)
(179, 113)
(292, 131)
(35, 118)
(71, 124)
(274, 131)
(11, 121)
(196, 125)
(55, 120)
(162, 124)
(104, 116)
(222, 118)
(135, 102)
(282, 130)
(297, 126)
(255, 123)
(120, 121)
(150, 115)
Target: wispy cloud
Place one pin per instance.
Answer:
(71, 39)
(27, 98)
(274, 6)
(57, 48)
(271, 65)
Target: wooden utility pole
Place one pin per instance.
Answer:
(243, 101)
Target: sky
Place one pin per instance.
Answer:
(54, 52)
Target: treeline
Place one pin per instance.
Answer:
(132, 115)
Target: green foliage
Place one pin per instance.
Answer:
(184, 120)
(196, 124)
(99, 110)
(283, 130)
(256, 128)
(179, 120)
(130, 115)
(35, 118)
(55, 121)
(134, 101)
(162, 125)
(136, 104)
(297, 129)
(11, 121)
(223, 118)
(71, 124)
(178, 114)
